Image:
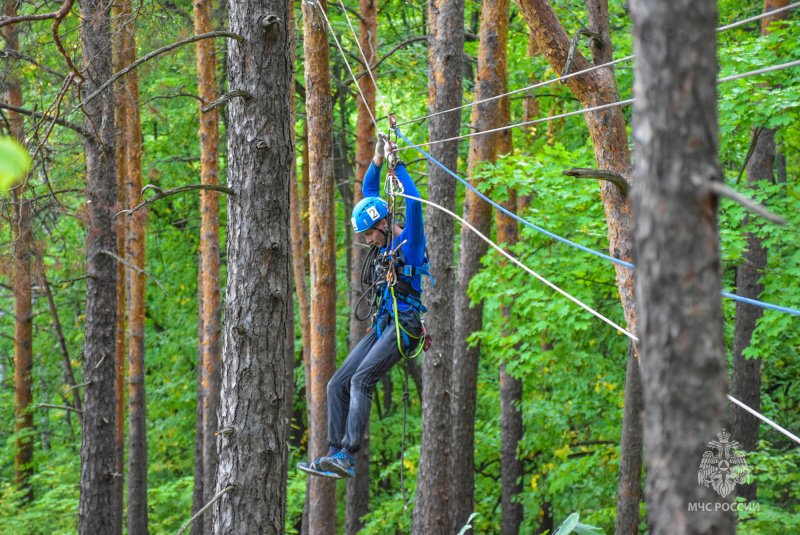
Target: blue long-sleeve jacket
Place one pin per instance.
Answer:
(414, 233)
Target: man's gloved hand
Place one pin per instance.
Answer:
(380, 146)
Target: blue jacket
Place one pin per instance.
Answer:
(414, 233)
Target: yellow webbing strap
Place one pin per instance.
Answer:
(398, 327)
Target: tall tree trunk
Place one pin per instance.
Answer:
(252, 446)
(489, 82)
(677, 243)
(629, 487)
(137, 422)
(357, 496)
(531, 106)
(746, 373)
(610, 139)
(98, 445)
(512, 468)
(197, 492)
(23, 304)
(432, 515)
(120, 61)
(209, 247)
(322, 492)
(304, 189)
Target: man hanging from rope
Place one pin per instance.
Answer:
(394, 275)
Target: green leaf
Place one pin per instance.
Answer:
(14, 162)
(568, 525)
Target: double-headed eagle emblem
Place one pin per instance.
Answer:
(724, 466)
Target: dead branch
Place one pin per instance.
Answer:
(205, 507)
(610, 176)
(160, 194)
(62, 407)
(225, 98)
(61, 14)
(39, 115)
(6, 20)
(352, 12)
(389, 53)
(7, 52)
(153, 54)
(746, 202)
(135, 268)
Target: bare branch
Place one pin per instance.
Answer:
(725, 191)
(160, 194)
(352, 12)
(610, 176)
(7, 52)
(135, 268)
(5, 21)
(39, 115)
(225, 98)
(153, 54)
(392, 51)
(205, 507)
(62, 407)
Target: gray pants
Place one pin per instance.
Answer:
(350, 389)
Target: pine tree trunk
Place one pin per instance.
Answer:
(678, 264)
(629, 488)
(530, 106)
(489, 82)
(23, 304)
(432, 510)
(304, 189)
(252, 443)
(322, 504)
(98, 446)
(198, 525)
(610, 139)
(120, 61)
(137, 419)
(209, 247)
(357, 495)
(746, 373)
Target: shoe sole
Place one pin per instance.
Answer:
(336, 469)
(304, 467)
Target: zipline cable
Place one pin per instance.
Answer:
(319, 9)
(621, 103)
(586, 307)
(577, 245)
(593, 68)
(366, 63)
(523, 266)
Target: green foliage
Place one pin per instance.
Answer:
(14, 162)
(572, 366)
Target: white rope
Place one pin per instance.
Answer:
(587, 307)
(621, 103)
(594, 68)
(366, 62)
(319, 9)
(764, 419)
(523, 266)
(758, 17)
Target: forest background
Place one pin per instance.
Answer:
(572, 367)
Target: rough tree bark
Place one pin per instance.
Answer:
(197, 491)
(512, 468)
(677, 247)
(98, 445)
(322, 226)
(610, 140)
(252, 441)
(135, 248)
(432, 514)
(23, 304)
(531, 106)
(120, 61)
(357, 496)
(746, 373)
(209, 246)
(489, 82)
(629, 487)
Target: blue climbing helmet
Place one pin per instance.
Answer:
(367, 212)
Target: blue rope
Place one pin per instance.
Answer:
(573, 244)
(511, 214)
